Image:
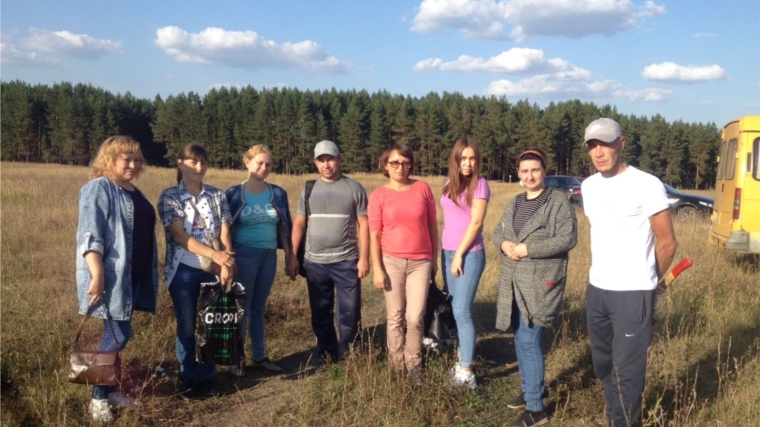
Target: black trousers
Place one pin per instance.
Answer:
(620, 330)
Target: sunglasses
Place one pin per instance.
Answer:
(395, 164)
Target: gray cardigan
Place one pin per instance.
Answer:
(536, 282)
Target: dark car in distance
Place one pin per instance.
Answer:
(688, 205)
(569, 184)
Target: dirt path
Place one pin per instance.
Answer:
(261, 397)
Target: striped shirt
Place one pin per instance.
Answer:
(525, 209)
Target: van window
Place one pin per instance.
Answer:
(756, 159)
(730, 163)
(721, 160)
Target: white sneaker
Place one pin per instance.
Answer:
(464, 378)
(454, 371)
(101, 411)
(118, 399)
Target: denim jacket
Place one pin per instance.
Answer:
(279, 200)
(106, 222)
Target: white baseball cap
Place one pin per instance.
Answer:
(604, 129)
(326, 147)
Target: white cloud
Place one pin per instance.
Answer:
(487, 19)
(671, 72)
(549, 87)
(476, 19)
(9, 55)
(705, 36)
(244, 49)
(645, 95)
(66, 43)
(513, 61)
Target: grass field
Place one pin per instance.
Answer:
(704, 363)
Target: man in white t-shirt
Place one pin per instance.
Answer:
(632, 246)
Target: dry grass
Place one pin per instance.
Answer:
(704, 363)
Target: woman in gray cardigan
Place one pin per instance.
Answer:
(535, 234)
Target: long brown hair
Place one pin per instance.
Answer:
(193, 151)
(459, 183)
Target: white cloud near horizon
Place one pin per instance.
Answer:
(513, 61)
(245, 49)
(670, 72)
(68, 44)
(487, 19)
(546, 85)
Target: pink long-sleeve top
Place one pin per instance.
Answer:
(403, 218)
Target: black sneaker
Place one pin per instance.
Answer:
(518, 401)
(208, 389)
(530, 419)
(191, 389)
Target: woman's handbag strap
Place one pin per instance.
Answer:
(201, 221)
(87, 316)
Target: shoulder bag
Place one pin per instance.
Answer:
(94, 367)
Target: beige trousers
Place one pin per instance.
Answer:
(405, 307)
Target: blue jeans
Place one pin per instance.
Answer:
(530, 358)
(462, 290)
(184, 291)
(256, 270)
(323, 280)
(122, 329)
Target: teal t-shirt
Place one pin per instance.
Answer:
(256, 227)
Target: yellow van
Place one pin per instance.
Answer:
(736, 212)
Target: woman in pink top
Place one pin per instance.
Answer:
(403, 245)
(463, 259)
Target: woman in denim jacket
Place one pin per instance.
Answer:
(261, 225)
(185, 245)
(117, 257)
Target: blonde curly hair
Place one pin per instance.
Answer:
(109, 151)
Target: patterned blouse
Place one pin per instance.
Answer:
(174, 204)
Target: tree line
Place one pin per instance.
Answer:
(67, 122)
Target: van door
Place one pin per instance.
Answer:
(750, 205)
(725, 185)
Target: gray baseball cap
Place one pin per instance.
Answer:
(604, 129)
(326, 147)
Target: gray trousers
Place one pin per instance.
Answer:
(620, 330)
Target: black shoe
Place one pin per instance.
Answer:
(208, 389)
(191, 390)
(530, 419)
(518, 401)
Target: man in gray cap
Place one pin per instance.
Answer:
(632, 246)
(336, 255)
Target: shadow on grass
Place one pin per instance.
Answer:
(705, 379)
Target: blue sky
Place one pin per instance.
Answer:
(698, 61)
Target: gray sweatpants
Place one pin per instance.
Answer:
(620, 330)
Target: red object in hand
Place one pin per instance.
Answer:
(678, 269)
